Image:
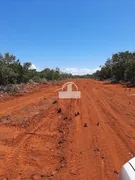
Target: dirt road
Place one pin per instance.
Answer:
(86, 139)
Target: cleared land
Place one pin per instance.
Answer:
(86, 139)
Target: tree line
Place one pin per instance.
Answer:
(119, 68)
(13, 72)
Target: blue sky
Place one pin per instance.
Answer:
(75, 34)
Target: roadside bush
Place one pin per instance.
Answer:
(13, 72)
(119, 68)
(9, 88)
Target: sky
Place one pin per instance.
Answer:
(75, 35)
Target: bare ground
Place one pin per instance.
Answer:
(86, 139)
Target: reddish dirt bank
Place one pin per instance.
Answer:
(86, 139)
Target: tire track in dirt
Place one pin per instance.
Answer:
(116, 121)
(112, 141)
(106, 163)
(86, 160)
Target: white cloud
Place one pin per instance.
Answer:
(80, 71)
(33, 66)
(74, 71)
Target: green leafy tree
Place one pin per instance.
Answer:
(12, 71)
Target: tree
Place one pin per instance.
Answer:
(119, 68)
(12, 71)
(130, 72)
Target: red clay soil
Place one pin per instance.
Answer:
(86, 139)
